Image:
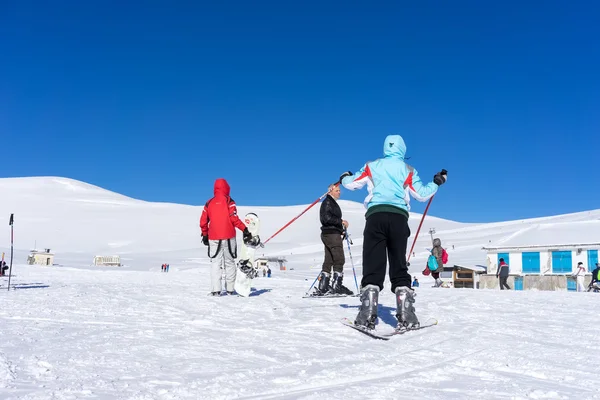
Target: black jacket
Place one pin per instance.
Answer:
(595, 274)
(331, 216)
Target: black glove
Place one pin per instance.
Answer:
(440, 178)
(247, 236)
(345, 174)
(205, 240)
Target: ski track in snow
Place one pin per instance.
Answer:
(150, 335)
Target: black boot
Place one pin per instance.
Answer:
(367, 314)
(405, 310)
(323, 287)
(336, 284)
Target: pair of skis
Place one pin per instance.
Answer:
(373, 333)
(329, 296)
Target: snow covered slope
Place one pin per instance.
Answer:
(78, 221)
(75, 331)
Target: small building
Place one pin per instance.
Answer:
(462, 276)
(37, 257)
(263, 262)
(545, 256)
(110, 261)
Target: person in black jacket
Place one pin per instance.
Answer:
(333, 229)
(595, 282)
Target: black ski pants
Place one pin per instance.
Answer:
(503, 283)
(385, 237)
(334, 252)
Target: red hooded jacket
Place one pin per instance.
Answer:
(219, 217)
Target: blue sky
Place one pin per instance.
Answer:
(155, 100)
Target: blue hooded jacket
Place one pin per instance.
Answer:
(390, 181)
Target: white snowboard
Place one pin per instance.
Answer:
(242, 282)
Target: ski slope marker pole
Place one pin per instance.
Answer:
(11, 222)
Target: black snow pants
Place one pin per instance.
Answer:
(334, 252)
(386, 236)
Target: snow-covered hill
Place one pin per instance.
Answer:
(78, 221)
(75, 331)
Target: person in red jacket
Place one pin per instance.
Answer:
(217, 223)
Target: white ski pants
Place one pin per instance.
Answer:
(222, 255)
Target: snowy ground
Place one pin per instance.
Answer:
(74, 331)
(72, 334)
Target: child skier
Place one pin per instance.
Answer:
(437, 252)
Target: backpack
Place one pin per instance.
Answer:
(432, 263)
(444, 256)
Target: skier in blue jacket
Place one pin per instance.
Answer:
(390, 182)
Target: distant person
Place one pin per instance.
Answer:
(437, 252)
(162, 268)
(3, 268)
(580, 276)
(332, 234)
(502, 273)
(595, 282)
(217, 223)
(269, 273)
(167, 268)
(390, 182)
(415, 282)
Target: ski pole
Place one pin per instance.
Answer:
(298, 216)
(10, 222)
(419, 228)
(313, 284)
(351, 260)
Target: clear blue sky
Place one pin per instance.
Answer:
(156, 99)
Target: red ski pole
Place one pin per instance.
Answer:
(295, 218)
(419, 228)
(299, 215)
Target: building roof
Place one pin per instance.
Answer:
(475, 268)
(271, 259)
(37, 252)
(553, 235)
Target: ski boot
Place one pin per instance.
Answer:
(337, 287)
(367, 313)
(323, 288)
(438, 283)
(215, 293)
(405, 310)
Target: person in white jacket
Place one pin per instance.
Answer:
(580, 276)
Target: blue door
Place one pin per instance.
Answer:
(518, 283)
(531, 263)
(571, 284)
(592, 259)
(562, 262)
